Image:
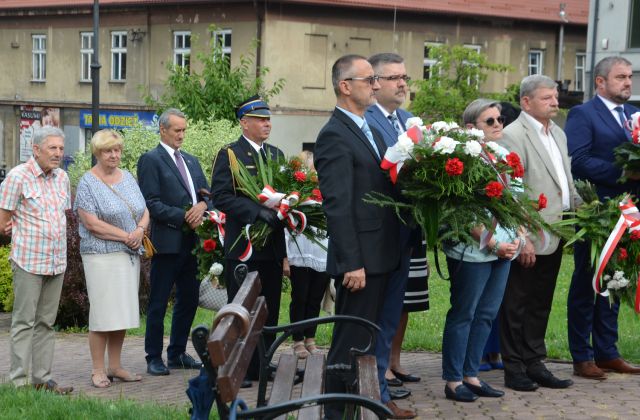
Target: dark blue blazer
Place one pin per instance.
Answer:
(167, 197)
(592, 134)
(376, 119)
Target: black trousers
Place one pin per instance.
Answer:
(366, 303)
(525, 312)
(270, 272)
(307, 290)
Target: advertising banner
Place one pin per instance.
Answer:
(119, 119)
(32, 118)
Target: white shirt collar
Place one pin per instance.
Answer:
(168, 148)
(253, 144)
(385, 112)
(609, 104)
(537, 125)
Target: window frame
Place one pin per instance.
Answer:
(222, 33)
(429, 62)
(580, 72)
(39, 58)
(182, 55)
(85, 72)
(120, 52)
(540, 66)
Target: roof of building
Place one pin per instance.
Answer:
(577, 11)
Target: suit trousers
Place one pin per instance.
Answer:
(592, 320)
(389, 320)
(525, 311)
(307, 290)
(365, 303)
(166, 270)
(270, 272)
(35, 306)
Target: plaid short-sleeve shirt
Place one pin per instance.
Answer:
(38, 203)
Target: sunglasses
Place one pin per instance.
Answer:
(491, 121)
(396, 78)
(371, 79)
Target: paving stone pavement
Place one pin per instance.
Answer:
(616, 398)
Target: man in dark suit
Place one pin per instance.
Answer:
(363, 237)
(542, 147)
(170, 180)
(593, 130)
(388, 118)
(255, 120)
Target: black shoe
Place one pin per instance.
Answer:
(394, 382)
(399, 393)
(519, 382)
(184, 361)
(246, 383)
(156, 367)
(406, 378)
(546, 379)
(484, 390)
(462, 394)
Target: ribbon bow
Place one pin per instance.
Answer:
(395, 155)
(219, 218)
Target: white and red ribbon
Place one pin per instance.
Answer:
(248, 251)
(219, 218)
(270, 197)
(396, 155)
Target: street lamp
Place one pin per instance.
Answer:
(563, 19)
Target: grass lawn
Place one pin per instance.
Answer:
(425, 328)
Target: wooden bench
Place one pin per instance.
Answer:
(237, 330)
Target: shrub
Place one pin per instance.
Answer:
(6, 280)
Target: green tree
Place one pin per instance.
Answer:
(217, 89)
(455, 81)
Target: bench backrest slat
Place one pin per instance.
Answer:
(283, 382)
(313, 385)
(368, 385)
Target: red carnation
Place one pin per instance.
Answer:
(622, 254)
(513, 160)
(635, 235)
(494, 189)
(295, 164)
(300, 176)
(454, 167)
(316, 194)
(209, 245)
(542, 201)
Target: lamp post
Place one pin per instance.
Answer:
(95, 74)
(563, 19)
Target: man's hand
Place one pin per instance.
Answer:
(193, 216)
(354, 280)
(286, 269)
(527, 257)
(270, 217)
(7, 228)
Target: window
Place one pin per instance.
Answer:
(39, 54)
(634, 29)
(223, 38)
(477, 49)
(535, 62)
(428, 62)
(86, 55)
(182, 48)
(119, 56)
(581, 59)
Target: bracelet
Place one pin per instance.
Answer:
(495, 247)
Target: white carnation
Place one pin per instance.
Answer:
(618, 275)
(446, 145)
(623, 283)
(404, 146)
(472, 148)
(453, 125)
(440, 126)
(612, 284)
(474, 132)
(216, 269)
(413, 121)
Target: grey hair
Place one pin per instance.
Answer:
(477, 107)
(42, 133)
(341, 68)
(532, 83)
(163, 121)
(604, 66)
(379, 60)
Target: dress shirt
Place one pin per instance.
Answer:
(387, 114)
(549, 143)
(192, 189)
(360, 121)
(611, 106)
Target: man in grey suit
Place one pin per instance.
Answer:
(542, 146)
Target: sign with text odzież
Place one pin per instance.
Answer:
(119, 119)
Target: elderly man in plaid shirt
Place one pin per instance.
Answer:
(33, 200)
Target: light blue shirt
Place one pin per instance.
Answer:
(360, 121)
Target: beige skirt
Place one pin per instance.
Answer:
(112, 284)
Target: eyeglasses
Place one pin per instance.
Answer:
(491, 121)
(396, 78)
(371, 79)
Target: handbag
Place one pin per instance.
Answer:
(149, 249)
(213, 296)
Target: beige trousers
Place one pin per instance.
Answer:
(32, 336)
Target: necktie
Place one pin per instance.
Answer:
(623, 121)
(181, 168)
(263, 153)
(367, 132)
(395, 123)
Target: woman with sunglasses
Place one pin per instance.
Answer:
(478, 280)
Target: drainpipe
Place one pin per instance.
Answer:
(593, 47)
(260, 20)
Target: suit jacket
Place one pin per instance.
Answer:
(241, 210)
(360, 234)
(539, 173)
(376, 119)
(167, 197)
(592, 134)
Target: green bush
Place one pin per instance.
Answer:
(203, 139)
(6, 280)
